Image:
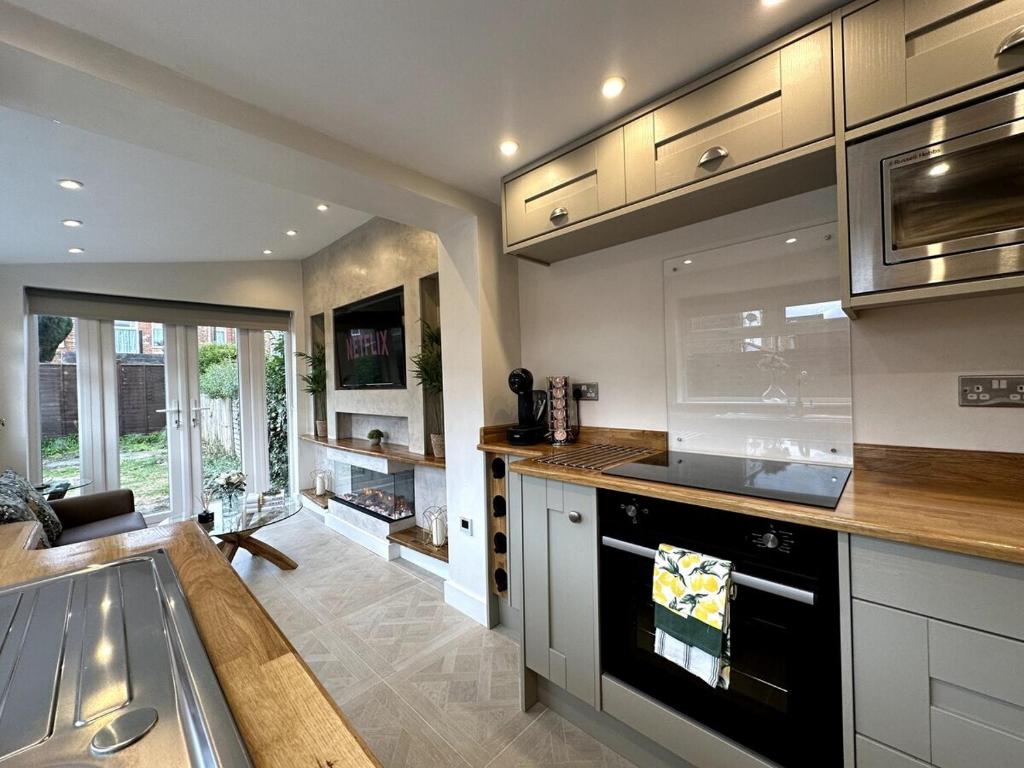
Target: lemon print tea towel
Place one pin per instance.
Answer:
(691, 595)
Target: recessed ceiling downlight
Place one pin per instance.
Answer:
(291, 232)
(267, 252)
(687, 261)
(70, 184)
(76, 250)
(790, 240)
(612, 87)
(71, 223)
(770, 3)
(508, 147)
(323, 207)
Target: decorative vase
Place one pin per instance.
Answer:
(320, 428)
(437, 444)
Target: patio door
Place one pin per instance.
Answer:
(161, 408)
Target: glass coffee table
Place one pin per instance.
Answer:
(234, 526)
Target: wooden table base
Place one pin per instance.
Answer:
(230, 542)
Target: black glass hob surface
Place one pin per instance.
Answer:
(818, 485)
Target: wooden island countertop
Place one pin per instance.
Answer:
(286, 718)
(967, 502)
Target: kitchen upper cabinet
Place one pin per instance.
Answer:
(934, 681)
(569, 189)
(777, 102)
(626, 183)
(898, 53)
(559, 535)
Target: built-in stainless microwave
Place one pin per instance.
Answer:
(941, 201)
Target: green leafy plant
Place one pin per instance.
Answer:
(374, 434)
(211, 354)
(314, 381)
(277, 413)
(427, 370)
(220, 380)
(52, 332)
(427, 362)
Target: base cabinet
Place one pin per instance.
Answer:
(935, 680)
(560, 626)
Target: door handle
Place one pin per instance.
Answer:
(175, 410)
(575, 517)
(714, 153)
(559, 213)
(1011, 41)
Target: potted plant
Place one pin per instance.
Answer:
(314, 382)
(374, 436)
(427, 369)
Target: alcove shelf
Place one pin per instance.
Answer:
(394, 451)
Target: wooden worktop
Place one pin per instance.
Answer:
(966, 502)
(286, 718)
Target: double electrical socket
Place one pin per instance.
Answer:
(992, 391)
(584, 391)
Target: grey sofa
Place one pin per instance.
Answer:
(97, 515)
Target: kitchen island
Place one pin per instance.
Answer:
(284, 715)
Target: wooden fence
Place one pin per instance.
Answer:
(140, 394)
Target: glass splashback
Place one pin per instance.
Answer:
(758, 350)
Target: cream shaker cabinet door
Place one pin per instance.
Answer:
(898, 53)
(780, 101)
(573, 187)
(560, 584)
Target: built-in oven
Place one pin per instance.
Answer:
(784, 698)
(941, 201)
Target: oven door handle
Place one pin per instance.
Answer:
(742, 579)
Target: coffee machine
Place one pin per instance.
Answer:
(532, 427)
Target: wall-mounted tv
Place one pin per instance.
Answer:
(369, 343)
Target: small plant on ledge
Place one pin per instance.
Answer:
(427, 364)
(314, 382)
(374, 436)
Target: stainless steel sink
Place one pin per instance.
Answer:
(104, 667)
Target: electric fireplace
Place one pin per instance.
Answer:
(387, 497)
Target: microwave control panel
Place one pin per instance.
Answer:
(992, 391)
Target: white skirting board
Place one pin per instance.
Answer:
(465, 602)
(380, 547)
(432, 564)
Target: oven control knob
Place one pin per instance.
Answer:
(631, 510)
(770, 541)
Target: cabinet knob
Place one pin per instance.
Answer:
(714, 153)
(575, 517)
(559, 213)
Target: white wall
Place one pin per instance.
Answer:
(266, 284)
(600, 317)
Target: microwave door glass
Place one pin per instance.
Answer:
(957, 201)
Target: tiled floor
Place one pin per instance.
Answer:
(423, 684)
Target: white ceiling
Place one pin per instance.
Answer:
(436, 84)
(141, 205)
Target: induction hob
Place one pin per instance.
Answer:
(818, 485)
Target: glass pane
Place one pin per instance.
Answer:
(141, 426)
(277, 409)
(219, 415)
(58, 403)
(976, 191)
(759, 350)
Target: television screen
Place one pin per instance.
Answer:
(369, 343)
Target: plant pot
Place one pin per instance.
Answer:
(321, 428)
(437, 444)
(374, 442)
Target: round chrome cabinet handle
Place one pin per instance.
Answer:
(713, 153)
(559, 213)
(1011, 41)
(575, 517)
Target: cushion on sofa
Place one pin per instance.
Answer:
(100, 528)
(37, 504)
(14, 507)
